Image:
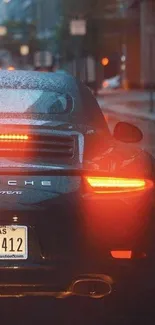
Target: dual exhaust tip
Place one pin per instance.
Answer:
(93, 286)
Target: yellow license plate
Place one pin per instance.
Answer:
(13, 243)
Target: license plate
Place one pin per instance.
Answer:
(13, 243)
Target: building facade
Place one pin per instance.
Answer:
(3, 11)
(139, 32)
(47, 15)
(44, 12)
(121, 34)
(147, 41)
(147, 9)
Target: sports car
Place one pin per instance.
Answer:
(76, 202)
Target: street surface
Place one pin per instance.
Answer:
(42, 311)
(133, 107)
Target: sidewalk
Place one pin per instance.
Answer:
(129, 103)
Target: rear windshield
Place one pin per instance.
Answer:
(34, 101)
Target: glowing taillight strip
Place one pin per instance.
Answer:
(117, 185)
(14, 137)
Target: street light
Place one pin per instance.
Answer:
(3, 30)
(105, 62)
(24, 51)
(123, 58)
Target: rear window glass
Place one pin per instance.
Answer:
(34, 101)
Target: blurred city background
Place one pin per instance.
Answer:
(103, 42)
(108, 44)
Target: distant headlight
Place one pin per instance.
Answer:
(11, 68)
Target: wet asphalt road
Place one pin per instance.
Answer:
(113, 310)
(37, 311)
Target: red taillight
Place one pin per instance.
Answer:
(125, 254)
(117, 185)
(14, 137)
(121, 254)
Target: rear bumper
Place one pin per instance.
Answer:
(132, 293)
(124, 276)
(123, 222)
(84, 228)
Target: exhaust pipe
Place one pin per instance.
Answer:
(93, 286)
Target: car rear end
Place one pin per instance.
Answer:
(61, 216)
(79, 236)
(75, 207)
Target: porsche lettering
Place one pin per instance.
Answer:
(12, 183)
(28, 183)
